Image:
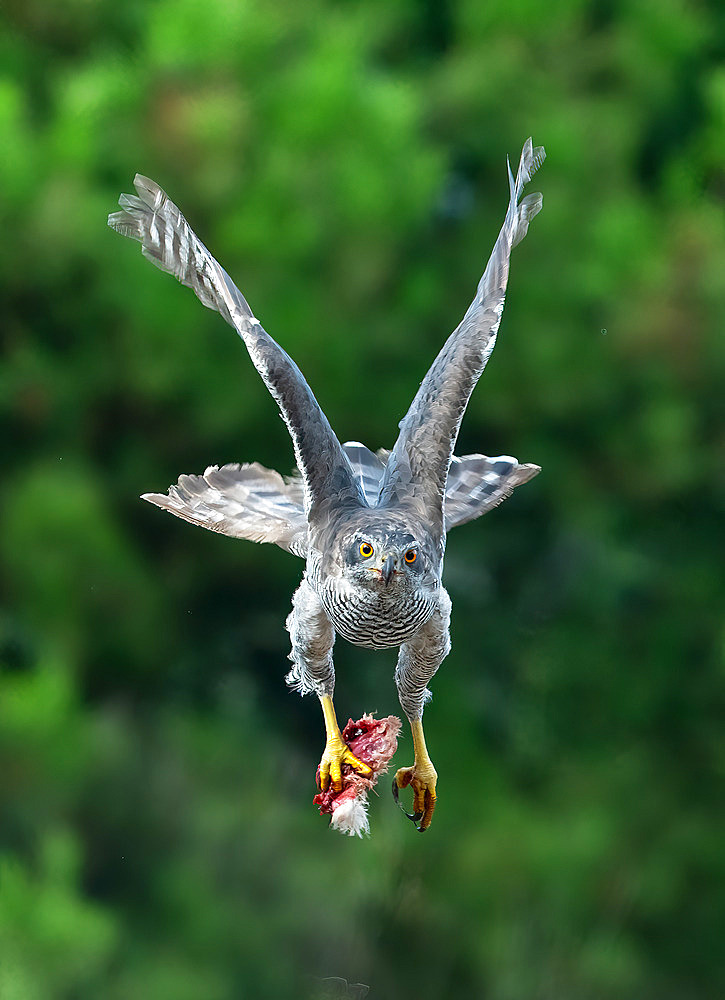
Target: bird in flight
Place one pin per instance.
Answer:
(371, 526)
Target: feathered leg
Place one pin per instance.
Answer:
(418, 661)
(312, 638)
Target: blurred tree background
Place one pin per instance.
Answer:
(345, 161)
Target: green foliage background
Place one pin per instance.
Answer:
(345, 161)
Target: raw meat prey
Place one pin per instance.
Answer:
(373, 741)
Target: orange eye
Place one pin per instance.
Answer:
(410, 556)
(366, 549)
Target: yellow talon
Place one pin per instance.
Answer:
(331, 765)
(422, 778)
(336, 752)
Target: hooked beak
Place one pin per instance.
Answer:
(388, 569)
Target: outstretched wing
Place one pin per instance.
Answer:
(244, 501)
(251, 502)
(420, 460)
(168, 241)
(477, 483)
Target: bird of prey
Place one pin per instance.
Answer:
(371, 526)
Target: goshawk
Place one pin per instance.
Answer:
(371, 527)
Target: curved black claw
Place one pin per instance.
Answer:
(413, 817)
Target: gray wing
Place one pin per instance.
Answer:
(477, 484)
(249, 501)
(421, 457)
(168, 241)
(244, 501)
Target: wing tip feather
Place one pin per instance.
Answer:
(162, 500)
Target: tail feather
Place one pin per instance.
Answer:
(367, 468)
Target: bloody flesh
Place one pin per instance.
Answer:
(373, 741)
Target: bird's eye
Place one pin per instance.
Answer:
(410, 556)
(366, 549)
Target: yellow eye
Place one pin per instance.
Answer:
(410, 556)
(366, 549)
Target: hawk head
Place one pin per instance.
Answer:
(389, 558)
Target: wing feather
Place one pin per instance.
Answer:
(420, 460)
(258, 504)
(243, 501)
(477, 484)
(170, 244)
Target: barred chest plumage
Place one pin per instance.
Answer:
(374, 618)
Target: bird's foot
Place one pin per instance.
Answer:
(422, 779)
(336, 754)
